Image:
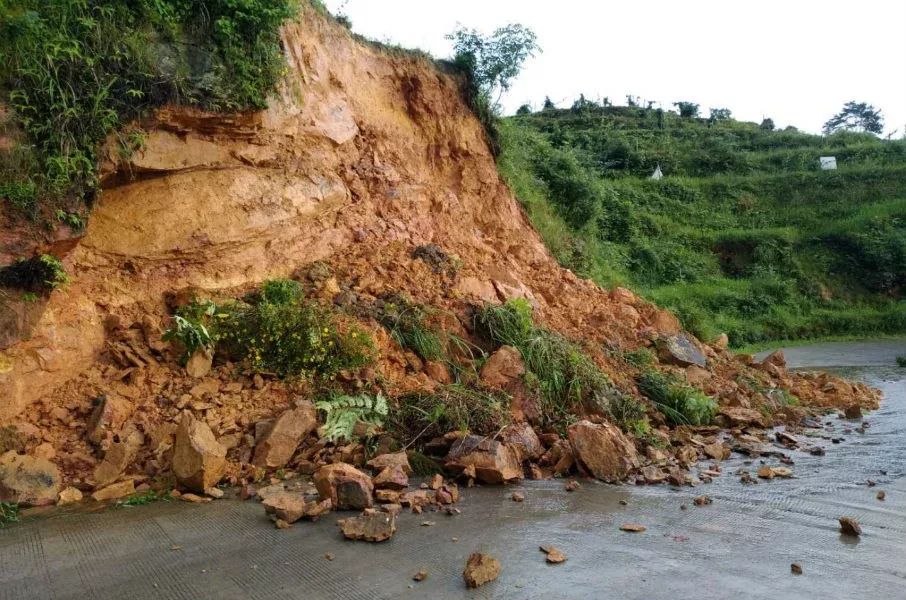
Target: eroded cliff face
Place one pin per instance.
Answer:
(364, 155)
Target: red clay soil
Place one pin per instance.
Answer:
(365, 155)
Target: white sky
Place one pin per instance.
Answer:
(796, 61)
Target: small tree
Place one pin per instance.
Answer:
(720, 114)
(548, 104)
(493, 62)
(767, 124)
(686, 109)
(856, 116)
(525, 109)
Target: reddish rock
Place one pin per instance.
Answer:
(395, 459)
(27, 480)
(117, 458)
(437, 480)
(291, 507)
(199, 364)
(653, 475)
(603, 450)
(518, 497)
(391, 478)
(853, 412)
(686, 455)
(345, 486)
(480, 569)
(737, 416)
(438, 371)
(502, 368)
(559, 458)
(554, 555)
(199, 460)
(387, 496)
(278, 445)
(849, 526)
(493, 462)
(523, 437)
(370, 526)
(70, 495)
(108, 416)
(114, 491)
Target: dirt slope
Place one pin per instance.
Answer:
(365, 155)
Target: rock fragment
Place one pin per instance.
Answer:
(27, 480)
(603, 450)
(881, 495)
(492, 461)
(198, 459)
(554, 555)
(370, 526)
(796, 569)
(69, 495)
(632, 527)
(480, 569)
(849, 526)
(345, 486)
(115, 491)
(518, 497)
(277, 446)
(702, 500)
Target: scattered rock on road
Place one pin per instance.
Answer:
(702, 501)
(420, 576)
(881, 495)
(632, 527)
(198, 458)
(480, 569)
(849, 526)
(796, 569)
(28, 480)
(371, 526)
(554, 556)
(518, 497)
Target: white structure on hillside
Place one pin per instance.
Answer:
(828, 163)
(657, 173)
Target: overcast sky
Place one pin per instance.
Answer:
(796, 61)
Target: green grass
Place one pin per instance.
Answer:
(421, 416)
(9, 513)
(145, 498)
(680, 403)
(744, 236)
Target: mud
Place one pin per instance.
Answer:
(740, 546)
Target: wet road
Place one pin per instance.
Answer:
(741, 546)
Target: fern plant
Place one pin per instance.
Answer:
(344, 412)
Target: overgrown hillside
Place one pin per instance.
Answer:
(743, 235)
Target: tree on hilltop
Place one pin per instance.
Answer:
(856, 116)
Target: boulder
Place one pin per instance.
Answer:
(681, 349)
(391, 478)
(70, 495)
(737, 416)
(198, 458)
(199, 364)
(371, 526)
(117, 458)
(603, 450)
(27, 480)
(775, 359)
(345, 486)
(278, 445)
(114, 491)
(492, 461)
(480, 569)
(717, 451)
(393, 459)
(559, 458)
(523, 437)
(502, 368)
(290, 507)
(109, 415)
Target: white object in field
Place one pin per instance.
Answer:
(657, 173)
(828, 163)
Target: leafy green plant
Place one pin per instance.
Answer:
(425, 415)
(901, 361)
(39, 274)
(191, 333)
(9, 513)
(408, 326)
(344, 413)
(145, 498)
(565, 376)
(680, 403)
(281, 291)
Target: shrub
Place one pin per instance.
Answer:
(407, 324)
(680, 403)
(426, 415)
(39, 274)
(565, 376)
(277, 331)
(901, 361)
(344, 413)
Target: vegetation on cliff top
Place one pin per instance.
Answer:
(77, 71)
(744, 234)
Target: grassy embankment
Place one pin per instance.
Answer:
(743, 235)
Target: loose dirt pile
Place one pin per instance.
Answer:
(368, 176)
